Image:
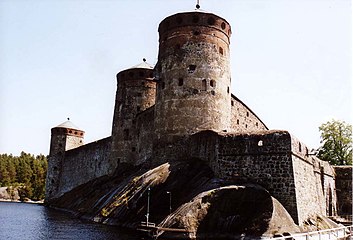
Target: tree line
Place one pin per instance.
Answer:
(26, 173)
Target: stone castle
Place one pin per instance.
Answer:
(181, 110)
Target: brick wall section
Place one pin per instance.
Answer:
(243, 119)
(344, 189)
(85, 163)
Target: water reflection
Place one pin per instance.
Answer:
(31, 221)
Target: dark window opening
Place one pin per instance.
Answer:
(246, 125)
(180, 81)
(179, 20)
(232, 103)
(213, 92)
(223, 25)
(204, 85)
(126, 134)
(195, 91)
(238, 121)
(221, 50)
(300, 147)
(211, 21)
(213, 83)
(70, 131)
(75, 132)
(257, 124)
(247, 114)
(227, 89)
(192, 68)
(80, 141)
(195, 19)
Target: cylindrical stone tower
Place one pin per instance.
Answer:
(135, 93)
(193, 75)
(64, 137)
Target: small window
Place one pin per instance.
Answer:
(300, 147)
(247, 114)
(126, 134)
(179, 20)
(180, 81)
(246, 125)
(223, 25)
(227, 89)
(213, 92)
(232, 103)
(191, 68)
(195, 19)
(238, 121)
(204, 85)
(257, 124)
(221, 50)
(211, 21)
(213, 83)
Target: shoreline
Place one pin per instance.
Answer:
(18, 201)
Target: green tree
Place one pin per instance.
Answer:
(336, 142)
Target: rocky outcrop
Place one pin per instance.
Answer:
(9, 194)
(202, 205)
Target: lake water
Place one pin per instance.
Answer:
(32, 221)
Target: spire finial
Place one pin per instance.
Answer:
(144, 59)
(198, 4)
(68, 119)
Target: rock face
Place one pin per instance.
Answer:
(202, 204)
(9, 194)
(231, 211)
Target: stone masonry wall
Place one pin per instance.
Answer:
(243, 119)
(344, 190)
(80, 165)
(145, 130)
(263, 158)
(314, 181)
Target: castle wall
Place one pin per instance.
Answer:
(314, 181)
(344, 190)
(145, 131)
(263, 158)
(80, 165)
(243, 119)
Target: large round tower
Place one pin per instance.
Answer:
(193, 75)
(135, 93)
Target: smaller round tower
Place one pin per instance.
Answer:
(136, 90)
(64, 137)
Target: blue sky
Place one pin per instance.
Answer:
(291, 62)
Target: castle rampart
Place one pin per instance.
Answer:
(78, 166)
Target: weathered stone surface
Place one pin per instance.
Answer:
(344, 189)
(245, 212)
